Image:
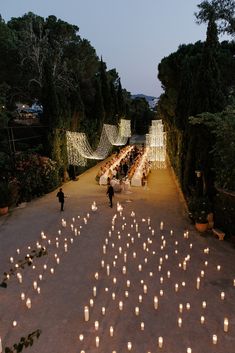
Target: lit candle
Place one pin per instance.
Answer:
(0, 345)
(202, 319)
(96, 325)
(40, 277)
(222, 295)
(11, 260)
(129, 346)
(161, 279)
(91, 303)
(97, 341)
(218, 268)
(155, 302)
(52, 271)
(225, 324)
(168, 274)
(28, 303)
(184, 265)
(161, 292)
(145, 289)
(134, 255)
(22, 296)
(234, 282)
(124, 270)
(103, 310)
(94, 291)
(179, 321)
(161, 225)
(108, 270)
(188, 306)
(128, 283)
(114, 280)
(181, 308)
(35, 285)
(160, 342)
(204, 304)
(120, 305)
(86, 313)
(176, 287)
(214, 339)
(140, 298)
(39, 290)
(57, 260)
(189, 350)
(97, 275)
(142, 326)
(104, 249)
(111, 331)
(126, 294)
(202, 273)
(198, 283)
(137, 311)
(81, 337)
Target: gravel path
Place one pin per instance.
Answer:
(131, 247)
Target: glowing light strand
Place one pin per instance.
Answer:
(156, 141)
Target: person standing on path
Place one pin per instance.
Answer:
(110, 194)
(60, 196)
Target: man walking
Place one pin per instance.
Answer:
(60, 196)
(110, 193)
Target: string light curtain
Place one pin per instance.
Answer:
(114, 135)
(156, 141)
(125, 128)
(79, 149)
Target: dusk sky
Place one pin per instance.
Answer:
(131, 35)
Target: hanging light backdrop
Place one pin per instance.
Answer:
(156, 141)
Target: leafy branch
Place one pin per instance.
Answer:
(28, 260)
(24, 342)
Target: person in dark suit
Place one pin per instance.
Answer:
(60, 196)
(110, 194)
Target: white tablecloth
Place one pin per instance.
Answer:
(104, 177)
(137, 177)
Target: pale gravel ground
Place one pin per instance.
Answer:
(58, 310)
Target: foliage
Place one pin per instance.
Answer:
(24, 342)
(221, 11)
(5, 195)
(199, 208)
(222, 127)
(28, 260)
(36, 175)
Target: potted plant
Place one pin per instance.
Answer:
(4, 198)
(199, 208)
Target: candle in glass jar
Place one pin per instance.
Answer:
(180, 322)
(129, 346)
(111, 331)
(214, 339)
(28, 303)
(137, 310)
(160, 342)
(225, 324)
(86, 313)
(155, 302)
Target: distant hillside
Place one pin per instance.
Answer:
(152, 101)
